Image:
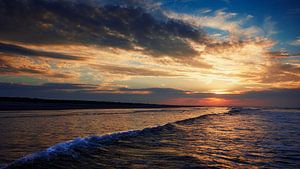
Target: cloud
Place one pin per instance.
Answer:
(15, 50)
(269, 26)
(87, 22)
(276, 97)
(281, 54)
(46, 88)
(204, 10)
(221, 20)
(280, 72)
(132, 71)
(296, 42)
(138, 43)
(9, 70)
(24, 66)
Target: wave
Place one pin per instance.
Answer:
(69, 148)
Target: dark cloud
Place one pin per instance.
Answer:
(279, 94)
(278, 54)
(9, 69)
(132, 71)
(282, 54)
(271, 97)
(220, 47)
(87, 22)
(67, 86)
(91, 92)
(10, 49)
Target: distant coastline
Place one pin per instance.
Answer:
(22, 103)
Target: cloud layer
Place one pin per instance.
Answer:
(125, 46)
(14, 50)
(125, 27)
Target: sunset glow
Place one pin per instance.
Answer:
(214, 102)
(148, 51)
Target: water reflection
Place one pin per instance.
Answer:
(244, 140)
(247, 139)
(24, 132)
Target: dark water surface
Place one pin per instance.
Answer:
(195, 138)
(25, 132)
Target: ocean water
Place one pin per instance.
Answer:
(151, 138)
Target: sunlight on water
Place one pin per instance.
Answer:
(246, 138)
(24, 132)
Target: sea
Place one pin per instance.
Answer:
(164, 138)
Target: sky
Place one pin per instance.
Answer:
(187, 52)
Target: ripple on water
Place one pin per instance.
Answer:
(243, 139)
